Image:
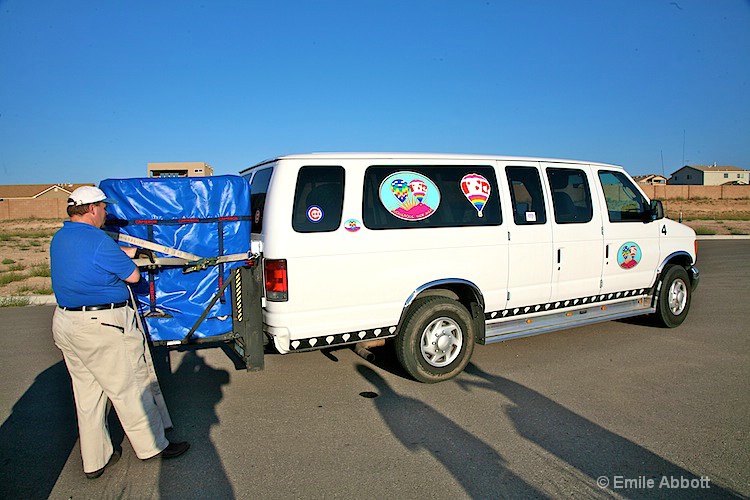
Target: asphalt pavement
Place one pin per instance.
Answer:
(618, 409)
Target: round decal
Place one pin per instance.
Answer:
(629, 255)
(352, 225)
(314, 214)
(409, 196)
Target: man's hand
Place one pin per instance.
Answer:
(145, 252)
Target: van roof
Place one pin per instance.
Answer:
(425, 156)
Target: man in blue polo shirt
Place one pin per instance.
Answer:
(94, 327)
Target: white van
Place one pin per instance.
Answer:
(444, 251)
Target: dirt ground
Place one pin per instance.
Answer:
(24, 256)
(24, 244)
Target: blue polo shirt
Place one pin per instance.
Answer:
(87, 266)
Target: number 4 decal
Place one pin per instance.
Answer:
(664, 230)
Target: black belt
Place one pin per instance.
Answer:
(98, 307)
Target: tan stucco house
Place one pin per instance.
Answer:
(711, 175)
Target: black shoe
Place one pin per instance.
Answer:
(174, 450)
(112, 461)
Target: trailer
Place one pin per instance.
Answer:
(205, 284)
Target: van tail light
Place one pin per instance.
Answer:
(277, 287)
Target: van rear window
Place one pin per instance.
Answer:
(412, 196)
(258, 190)
(318, 199)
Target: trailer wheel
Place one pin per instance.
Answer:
(674, 297)
(436, 341)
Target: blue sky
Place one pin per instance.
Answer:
(97, 89)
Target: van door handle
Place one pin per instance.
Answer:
(606, 252)
(559, 255)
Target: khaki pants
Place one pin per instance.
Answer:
(104, 353)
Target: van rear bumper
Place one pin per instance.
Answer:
(694, 276)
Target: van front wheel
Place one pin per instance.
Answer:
(674, 297)
(436, 341)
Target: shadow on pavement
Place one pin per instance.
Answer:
(38, 436)
(475, 465)
(193, 392)
(584, 445)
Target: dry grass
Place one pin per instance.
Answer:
(24, 256)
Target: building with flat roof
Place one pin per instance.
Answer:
(180, 169)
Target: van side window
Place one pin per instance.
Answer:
(624, 202)
(571, 197)
(258, 189)
(414, 196)
(318, 199)
(526, 195)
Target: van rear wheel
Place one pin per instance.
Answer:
(674, 297)
(436, 341)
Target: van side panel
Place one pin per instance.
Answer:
(578, 250)
(529, 233)
(355, 281)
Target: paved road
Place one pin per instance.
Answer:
(552, 415)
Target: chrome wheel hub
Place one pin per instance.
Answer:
(441, 342)
(677, 297)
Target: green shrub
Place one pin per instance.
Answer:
(7, 278)
(35, 290)
(704, 231)
(16, 267)
(40, 270)
(9, 261)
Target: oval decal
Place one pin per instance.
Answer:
(409, 196)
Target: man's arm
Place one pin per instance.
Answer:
(135, 277)
(129, 251)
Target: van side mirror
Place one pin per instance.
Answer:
(657, 210)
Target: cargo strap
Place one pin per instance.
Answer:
(153, 246)
(191, 265)
(189, 261)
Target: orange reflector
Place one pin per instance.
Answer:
(529, 321)
(604, 308)
(568, 314)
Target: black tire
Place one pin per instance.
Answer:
(674, 297)
(436, 341)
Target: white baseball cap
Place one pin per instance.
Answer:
(88, 194)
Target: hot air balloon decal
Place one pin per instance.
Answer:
(400, 189)
(410, 196)
(418, 189)
(477, 189)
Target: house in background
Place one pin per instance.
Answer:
(44, 201)
(180, 169)
(651, 179)
(37, 191)
(711, 175)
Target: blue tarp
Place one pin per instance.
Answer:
(205, 216)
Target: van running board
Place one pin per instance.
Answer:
(559, 320)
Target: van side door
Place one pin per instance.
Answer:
(631, 238)
(576, 231)
(529, 237)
